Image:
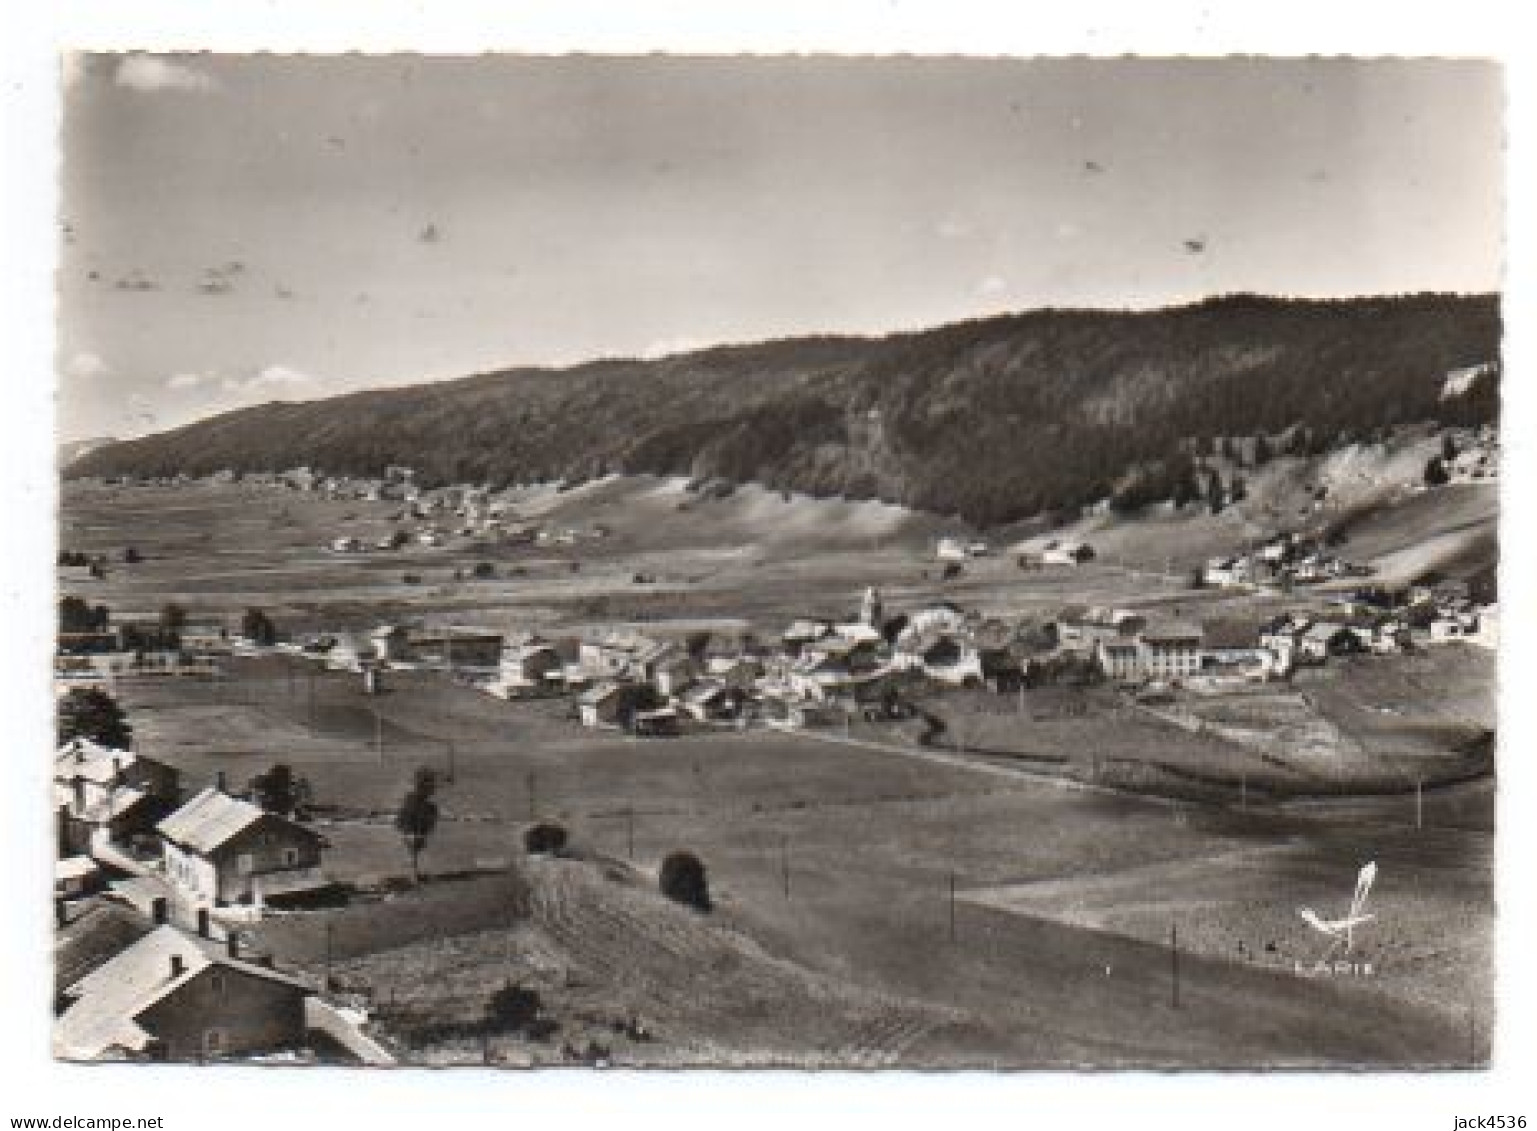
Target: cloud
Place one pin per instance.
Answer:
(951, 228)
(184, 381)
(992, 285)
(273, 381)
(86, 364)
(666, 347)
(146, 73)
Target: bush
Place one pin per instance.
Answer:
(682, 879)
(545, 839)
(1435, 472)
(513, 1009)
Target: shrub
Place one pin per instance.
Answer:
(545, 839)
(683, 880)
(513, 1009)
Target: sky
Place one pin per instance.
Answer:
(238, 229)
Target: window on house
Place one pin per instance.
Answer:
(290, 857)
(213, 1040)
(216, 983)
(245, 863)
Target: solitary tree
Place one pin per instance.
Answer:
(131, 554)
(1215, 498)
(1448, 447)
(545, 839)
(173, 618)
(257, 627)
(1262, 451)
(683, 880)
(89, 712)
(277, 790)
(418, 817)
(1435, 472)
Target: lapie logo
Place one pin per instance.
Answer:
(1341, 932)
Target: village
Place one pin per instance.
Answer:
(164, 882)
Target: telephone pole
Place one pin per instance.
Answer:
(784, 862)
(1174, 964)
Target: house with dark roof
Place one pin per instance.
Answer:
(219, 849)
(100, 792)
(172, 995)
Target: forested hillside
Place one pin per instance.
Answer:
(993, 419)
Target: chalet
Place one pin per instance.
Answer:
(740, 671)
(1227, 572)
(950, 659)
(819, 676)
(1230, 643)
(101, 793)
(654, 722)
(71, 574)
(178, 996)
(221, 850)
(457, 648)
(600, 706)
(1453, 627)
(89, 932)
(1119, 659)
(205, 638)
(638, 658)
(532, 663)
(1487, 635)
(951, 550)
(715, 702)
(1171, 651)
(391, 643)
(1067, 553)
(1325, 639)
(75, 876)
(803, 632)
(942, 616)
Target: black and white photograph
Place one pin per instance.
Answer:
(821, 561)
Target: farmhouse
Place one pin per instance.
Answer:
(533, 663)
(221, 850)
(1171, 651)
(177, 996)
(101, 793)
(1325, 639)
(715, 702)
(205, 638)
(1067, 553)
(457, 648)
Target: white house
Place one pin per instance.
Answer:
(1067, 553)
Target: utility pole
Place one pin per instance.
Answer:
(1174, 964)
(784, 862)
(1419, 802)
(378, 736)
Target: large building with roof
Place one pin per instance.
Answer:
(177, 996)
(219, 849)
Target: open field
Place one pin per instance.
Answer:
(1003, 898)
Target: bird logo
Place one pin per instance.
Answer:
(1341, 932)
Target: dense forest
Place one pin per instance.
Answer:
(993, 419)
